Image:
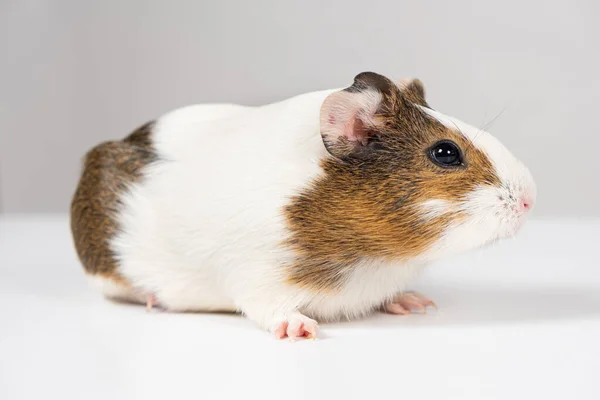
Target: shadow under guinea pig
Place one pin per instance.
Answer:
(485, 305)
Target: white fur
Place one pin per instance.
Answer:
(202, 230)
(434, 208)
(116, 291)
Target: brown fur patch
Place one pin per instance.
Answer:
(365, 206)
(108, 170)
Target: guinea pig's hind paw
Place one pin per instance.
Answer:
(296, 326)
(407, 302)
(150, 302)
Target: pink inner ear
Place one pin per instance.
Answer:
(349, 116)
(355, 130)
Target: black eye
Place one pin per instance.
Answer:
(446, 154)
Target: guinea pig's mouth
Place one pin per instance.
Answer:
(519, 225)
(514, 228)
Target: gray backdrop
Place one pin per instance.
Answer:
(74, 73)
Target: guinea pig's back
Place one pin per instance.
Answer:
(220, 183)
(202, 187)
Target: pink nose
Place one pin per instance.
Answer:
(526, 203)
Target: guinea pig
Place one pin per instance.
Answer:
(320, 207)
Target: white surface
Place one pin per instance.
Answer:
(518, 320)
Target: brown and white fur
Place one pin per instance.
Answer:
(322, 206)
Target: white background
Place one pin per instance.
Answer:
(75, 73)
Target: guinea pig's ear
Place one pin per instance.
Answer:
(413, 91)
(350, 117)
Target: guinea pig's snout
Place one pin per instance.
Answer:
(526, 192)
(526, 203)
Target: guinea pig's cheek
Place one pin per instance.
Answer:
(463, 233)
(498, 208)
(483, 202)
(485, 211)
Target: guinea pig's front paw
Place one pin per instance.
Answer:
(295, 326)
(408, 302)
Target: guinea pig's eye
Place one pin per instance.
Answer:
(446, 154)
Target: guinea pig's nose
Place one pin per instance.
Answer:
(526, 203)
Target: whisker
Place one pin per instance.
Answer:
(462, 133)
(488, 124)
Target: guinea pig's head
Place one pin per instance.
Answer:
(403, 180)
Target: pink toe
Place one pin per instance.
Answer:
(295, 329)
(395, 308)
(424, 300)
(280, 332)
(412, 305)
